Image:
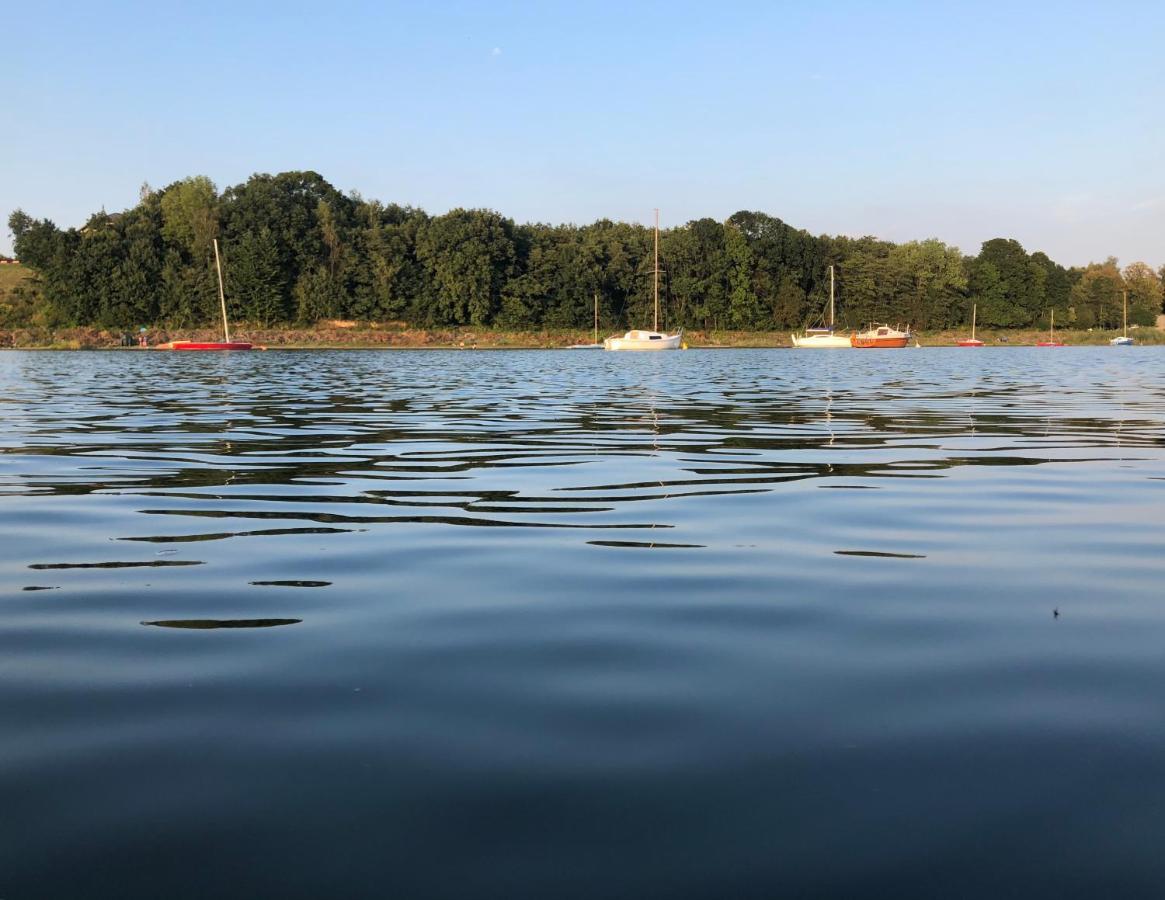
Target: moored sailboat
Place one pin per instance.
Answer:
(226, 343)
(1051, 341)
(972, 341)
(1124, 340)
(640, 339)
(822, 337)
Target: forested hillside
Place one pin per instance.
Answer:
(297, 250)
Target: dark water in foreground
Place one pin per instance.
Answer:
(705, 624)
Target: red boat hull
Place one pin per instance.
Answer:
(970, 342)
(205, 345)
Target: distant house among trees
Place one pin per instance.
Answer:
(100, 220)
(9, 261)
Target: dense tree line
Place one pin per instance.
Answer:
(297, 250)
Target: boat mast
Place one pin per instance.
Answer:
(655, 326)
(596, 316)
(974, 309)
(831, 298)
(1125, 312)
(226, 331)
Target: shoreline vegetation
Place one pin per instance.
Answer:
(296, 251)
(398, 336)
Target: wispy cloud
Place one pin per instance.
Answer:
(496, 51)
(1148, 205)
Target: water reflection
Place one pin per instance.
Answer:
(648, 545)
(133, 564)
(223, 535)
(300, 583)
(880, 553)
(222, 623)
(347, 442)
(844, 640)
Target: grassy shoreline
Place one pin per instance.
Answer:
(373, 337)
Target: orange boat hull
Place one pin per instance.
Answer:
(878, 342)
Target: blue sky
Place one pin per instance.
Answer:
(1039, 121)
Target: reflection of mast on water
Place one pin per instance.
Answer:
(655, 436)
(829, 415)
(826, 370)
(1120, 423)
(971, 408)
(654, 428)
(222, 400)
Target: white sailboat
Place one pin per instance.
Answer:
(640, 339)
(1124, 340)
(822, 338)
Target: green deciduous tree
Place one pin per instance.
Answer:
(1096, 297)
(190, 215)
(1145, 293)
(468, 257)
(1017, 285)
(930, 281)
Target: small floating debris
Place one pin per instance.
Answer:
(222, 623)
(291, 583)
(41, 587)
(880, 554)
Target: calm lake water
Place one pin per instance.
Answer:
(575, 624)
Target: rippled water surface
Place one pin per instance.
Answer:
(576, 624)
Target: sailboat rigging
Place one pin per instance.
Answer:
(1124, 340)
